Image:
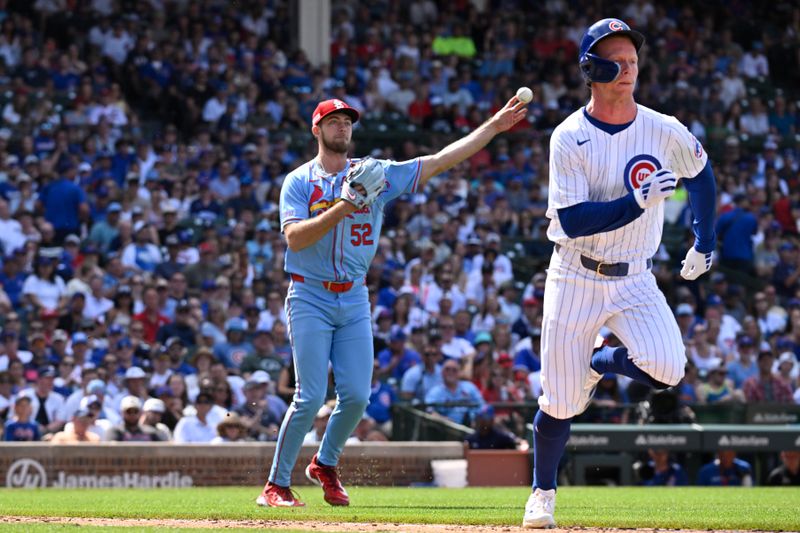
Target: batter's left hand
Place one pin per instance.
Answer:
(696, 264)
(512, 112)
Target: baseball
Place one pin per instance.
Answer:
(524, 95)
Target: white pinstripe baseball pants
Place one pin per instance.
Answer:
(577, 303)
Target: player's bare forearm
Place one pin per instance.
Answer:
(466, 147)
(303, 234)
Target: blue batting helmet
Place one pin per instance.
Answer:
(594, 67)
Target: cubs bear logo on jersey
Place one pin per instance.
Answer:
(698, 148)
(638, 168)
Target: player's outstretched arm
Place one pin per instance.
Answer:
(303, 234)
(703, 201)
(466, 147)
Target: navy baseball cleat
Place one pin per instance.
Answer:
(327, 478)
(539, 510)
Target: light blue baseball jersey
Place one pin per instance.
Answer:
(343, 254)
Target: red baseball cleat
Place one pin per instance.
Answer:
(327, 478)
(276, 496)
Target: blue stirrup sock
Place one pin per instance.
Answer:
(608, 359)
(550, 437)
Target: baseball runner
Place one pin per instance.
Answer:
(612, 163)
(331, 214)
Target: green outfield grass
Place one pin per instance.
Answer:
(630, 507)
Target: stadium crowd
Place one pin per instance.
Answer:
(142, 148)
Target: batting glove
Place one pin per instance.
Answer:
(369, 174)
(695, 264)
(655, 188)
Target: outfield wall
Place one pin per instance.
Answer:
(31, 465)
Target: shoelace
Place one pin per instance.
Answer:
(287, 493)
(542, 503)
(547, 503)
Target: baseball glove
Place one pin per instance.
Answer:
(369, 174)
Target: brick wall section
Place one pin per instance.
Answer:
(398, 464)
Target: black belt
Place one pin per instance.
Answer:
(606, 269)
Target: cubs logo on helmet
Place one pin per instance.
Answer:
(615, 25)
(637, 170)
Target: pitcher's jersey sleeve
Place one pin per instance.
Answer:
(401, 177)
(686, 153)
(294, 198)
(568, 183)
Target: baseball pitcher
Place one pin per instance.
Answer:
(331, 212)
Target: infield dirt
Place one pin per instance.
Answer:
(314, 526)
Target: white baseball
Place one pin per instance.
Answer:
(524, 95)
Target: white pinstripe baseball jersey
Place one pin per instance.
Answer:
(588, 164)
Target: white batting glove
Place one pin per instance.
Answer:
(696, 264)
(656, 187)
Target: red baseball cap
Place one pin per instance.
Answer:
(331, 106)
(505, 360)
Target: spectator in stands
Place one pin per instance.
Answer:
(769, 323)
(456, 399)
(529, 320)
(689, 386)
(261, 412)
(702, 353)
(20, 427)
(160, 370)
(11, 352)
(726, 471)
(735, 231)
(197, 427)
(104, 231)
(788, 474)
(233, 351)
(64, 203)
(150, 316)
(152, 413)
(786, 368)
(43, 289)
(454, 347)
(130, 430)
(79, 432)
(263, 357)
(230, 429)
(13, 276)
(381, 398)
(207, 269)
(394, 361)
(745, 365)
(420, 379)
(719, 388)
(787, 271)
(135, 384)
(183, 326)
(46, 404)
(766, 387)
